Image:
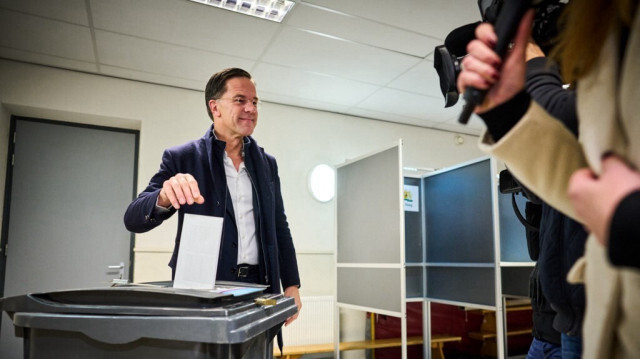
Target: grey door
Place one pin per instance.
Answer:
(69, 187)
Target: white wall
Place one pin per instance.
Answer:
(299, 138)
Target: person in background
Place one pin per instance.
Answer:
(594, 179)
(226, 174)
(561, 239)
(546, 342)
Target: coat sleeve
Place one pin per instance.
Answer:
(141, 215)
(544, 84)
(624, 245)
(542, 153)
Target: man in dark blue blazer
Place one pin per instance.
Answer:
(226, 174)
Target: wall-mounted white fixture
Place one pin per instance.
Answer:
(459, 140)
(322, 182)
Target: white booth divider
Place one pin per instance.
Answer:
(461, 245)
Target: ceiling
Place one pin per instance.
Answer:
(366, 58)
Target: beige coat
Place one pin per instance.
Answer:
(543, 154)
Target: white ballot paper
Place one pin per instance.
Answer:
(199, 252)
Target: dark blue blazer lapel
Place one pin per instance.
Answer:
(216, 156)
(229, 205)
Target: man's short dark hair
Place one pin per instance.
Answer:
(217, 84)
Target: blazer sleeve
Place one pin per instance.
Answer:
(141, 215)
(287, 260)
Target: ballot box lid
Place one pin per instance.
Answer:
(231, 313)
(158, 298)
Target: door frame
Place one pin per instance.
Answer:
(4, 237)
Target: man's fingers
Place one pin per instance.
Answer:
(182, 189)
(185, 187)
(174, 182)
(169, 193)
(195, 190)
(291, 319)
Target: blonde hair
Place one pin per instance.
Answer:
(586, 25)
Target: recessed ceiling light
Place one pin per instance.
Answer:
(274, 10)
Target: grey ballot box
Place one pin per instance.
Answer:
(149, 322)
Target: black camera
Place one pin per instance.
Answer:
(507, 183)
(533, 210)
(447, 57)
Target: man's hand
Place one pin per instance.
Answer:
(295, 293)
(178, 190)
(595, 198)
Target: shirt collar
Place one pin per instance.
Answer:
(245, 140)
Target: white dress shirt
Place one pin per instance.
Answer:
(241, 191)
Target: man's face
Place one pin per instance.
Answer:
(235, 112)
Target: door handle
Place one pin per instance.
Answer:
(120, 268)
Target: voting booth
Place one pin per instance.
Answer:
(134, 321)
(447, 236)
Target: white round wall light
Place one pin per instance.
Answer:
(322, 183)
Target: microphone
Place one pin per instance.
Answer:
(506, 26)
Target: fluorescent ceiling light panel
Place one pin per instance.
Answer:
(274, 10)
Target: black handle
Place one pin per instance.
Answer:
(506, 26)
